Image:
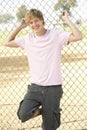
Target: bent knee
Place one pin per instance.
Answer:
(24, 116)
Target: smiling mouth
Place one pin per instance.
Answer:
(36, 28)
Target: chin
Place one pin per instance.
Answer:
(37, 31)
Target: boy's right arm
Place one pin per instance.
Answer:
(10, 42)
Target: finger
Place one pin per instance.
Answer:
(63, 13)
(23, 20)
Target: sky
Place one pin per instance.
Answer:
(46, 6)
(9, 5)
(81, 9)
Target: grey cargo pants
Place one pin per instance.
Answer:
(48, 97)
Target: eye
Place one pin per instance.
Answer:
(31, 22)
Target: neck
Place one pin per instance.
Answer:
(42, 32)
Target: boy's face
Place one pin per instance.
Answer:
(36, 25)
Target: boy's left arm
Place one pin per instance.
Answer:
(76, 34)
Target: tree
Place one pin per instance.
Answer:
(4, 18)
(65, 5)
(21, 12)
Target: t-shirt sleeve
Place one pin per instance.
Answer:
(63, 37)
(20, 41)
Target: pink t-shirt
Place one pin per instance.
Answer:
(44, 55)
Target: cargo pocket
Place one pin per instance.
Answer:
(57, 118)
(19, 109)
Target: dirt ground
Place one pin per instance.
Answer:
(14, 79)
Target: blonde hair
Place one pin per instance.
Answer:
(32, 13)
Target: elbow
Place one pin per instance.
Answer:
(5, 44)
(76, 37)
(80, 37)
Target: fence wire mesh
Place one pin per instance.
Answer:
(14, 76)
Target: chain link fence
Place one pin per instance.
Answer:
(14, 76)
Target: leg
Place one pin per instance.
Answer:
(51, 108)
(29, 107)
(37, 112)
